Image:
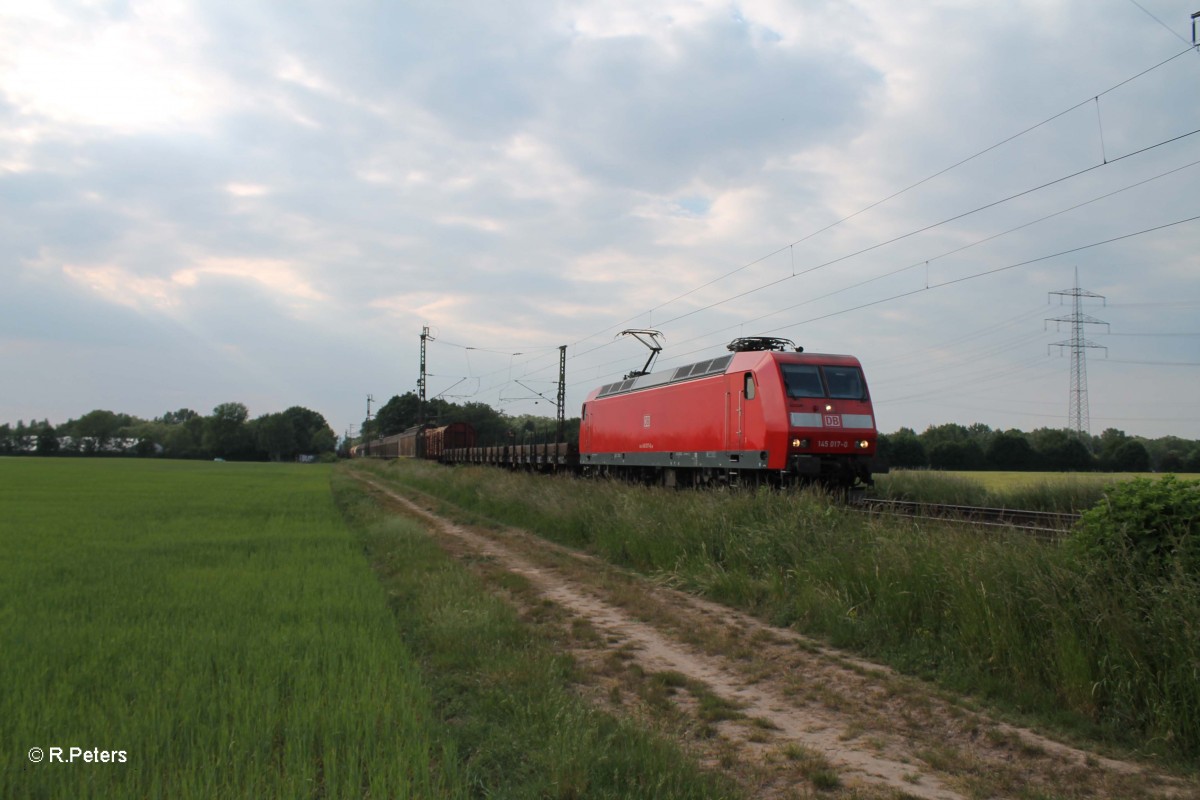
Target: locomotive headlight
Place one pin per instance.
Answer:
(863, 444)
(800, 444)
(829, 407)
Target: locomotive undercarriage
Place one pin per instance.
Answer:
(708, 469)
(845, 471)
(839, 473)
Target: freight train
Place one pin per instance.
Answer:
(423, 441)
(767, 413)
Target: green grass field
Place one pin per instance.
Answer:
(1003, 481)
(212, 626)
(1036, 491)
(204, 630)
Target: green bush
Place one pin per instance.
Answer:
(1149, 527)
(1139, 554)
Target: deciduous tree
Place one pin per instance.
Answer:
(1131, 456)
(47, 440)
(225, 432)
(1010, 450)
(97, 429)
(903, 450)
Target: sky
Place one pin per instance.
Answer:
(268, 202)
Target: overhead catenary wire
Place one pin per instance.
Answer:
(497, 388)
(925, 229)
(530, 368)
(976, 275)
(794, 274)
(894, 195)
(980, 275)
(954, 251)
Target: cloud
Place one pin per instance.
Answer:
(267, 182)
(634, 111)
(279, 282)
(247, 189)
(126, 72)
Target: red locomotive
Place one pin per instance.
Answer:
(759, 415)
(763, 414)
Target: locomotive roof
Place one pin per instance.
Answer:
(703, 369)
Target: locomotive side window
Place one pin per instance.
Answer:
(845, 382)
(802, 380)
(749, 386)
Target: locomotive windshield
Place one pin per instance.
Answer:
(845, 382)
(803, 380)
(810, 380)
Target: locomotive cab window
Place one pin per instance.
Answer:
(802, 380)
(749, 386)
(845, 382)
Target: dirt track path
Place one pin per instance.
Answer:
(786, 716)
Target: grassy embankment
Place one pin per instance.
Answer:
(220, 626)
(1020, 623)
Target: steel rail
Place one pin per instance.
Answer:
(1042, 523)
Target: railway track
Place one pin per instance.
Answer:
(1050, 524)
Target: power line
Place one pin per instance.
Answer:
(1109, 333)
(1172, 304)
(967, 359)
(1149, 419)
(1035, 414)
(1154, 363)
(938, 389)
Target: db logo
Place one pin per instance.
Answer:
(833, 421)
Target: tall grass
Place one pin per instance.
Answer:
(216, 623)
(1019, 622)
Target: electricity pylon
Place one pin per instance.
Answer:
(1077, 415)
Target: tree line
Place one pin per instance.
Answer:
(227, 433)
(950, 446)
(979, 447)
